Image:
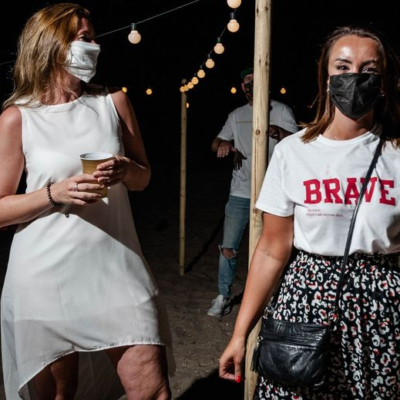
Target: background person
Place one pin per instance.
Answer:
(239, 130)
(76, 282)
(308, 197)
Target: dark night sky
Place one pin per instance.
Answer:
(174, 45)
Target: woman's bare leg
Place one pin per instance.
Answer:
(59, 380)
(143, 371)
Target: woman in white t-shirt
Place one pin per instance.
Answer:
(308, 197)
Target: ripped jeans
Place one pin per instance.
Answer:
(237, 215)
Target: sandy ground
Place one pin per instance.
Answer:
(198, 339)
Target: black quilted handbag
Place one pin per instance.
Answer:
(295, 353)
(292, 353)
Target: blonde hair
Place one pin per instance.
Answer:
(387, 112)
(42, 49)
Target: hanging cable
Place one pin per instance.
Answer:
(149, 19)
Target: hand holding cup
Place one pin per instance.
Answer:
(109, 170)
(90, 164)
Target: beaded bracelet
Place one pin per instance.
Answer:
(51, 201)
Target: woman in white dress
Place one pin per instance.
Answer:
(77, 285)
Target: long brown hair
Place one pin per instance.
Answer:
(42, 49)
(387, 112)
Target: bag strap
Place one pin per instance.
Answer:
(351, 229)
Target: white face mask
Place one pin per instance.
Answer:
(82, 59)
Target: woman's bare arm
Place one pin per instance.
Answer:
(269, 259)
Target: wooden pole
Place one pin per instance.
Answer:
(259, 150)
(182, 205)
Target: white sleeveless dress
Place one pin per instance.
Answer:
(76, 279)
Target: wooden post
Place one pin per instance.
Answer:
(182, 205)
(259, 150)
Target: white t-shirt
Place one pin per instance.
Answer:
(319, 182)
(239, 128)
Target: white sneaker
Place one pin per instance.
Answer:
(220, 307)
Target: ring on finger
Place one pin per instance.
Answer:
(76, 189)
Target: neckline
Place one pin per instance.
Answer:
(370, 135)
(64, 105)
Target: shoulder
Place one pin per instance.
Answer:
(279, 106)
(11, 127)
(11, 119)
(119, 97)
(241, 111)
(291, 142)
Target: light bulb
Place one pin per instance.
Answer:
(233, 25)
(219, 48)
(187, 105)
(210, 63)
(190, 85)
(195, 80)
(283, 90)
(186, 88)
(124, 89)
(134, 37)
(182, 89)
(149, 92)
(233, 90)
(201, 73)
(234, 3)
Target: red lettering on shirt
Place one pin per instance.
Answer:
(371, 185)
(332, 188)
(313, 192)
(351, 191)
(384, 199)
(329, 191)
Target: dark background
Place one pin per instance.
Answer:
(174, 46)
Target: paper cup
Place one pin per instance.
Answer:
(90, 161)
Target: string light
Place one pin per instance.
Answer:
(219, 47)
(234, 3)
(187, 105)
(210, 62)
(283, 90)
(233, 25)
(190, 85)
(134, 37)
(195, 80)
(149, 91)
(182, 89)
(233, 90)
(201, 73)
(124, 89)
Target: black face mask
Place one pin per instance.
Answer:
(355, 94)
